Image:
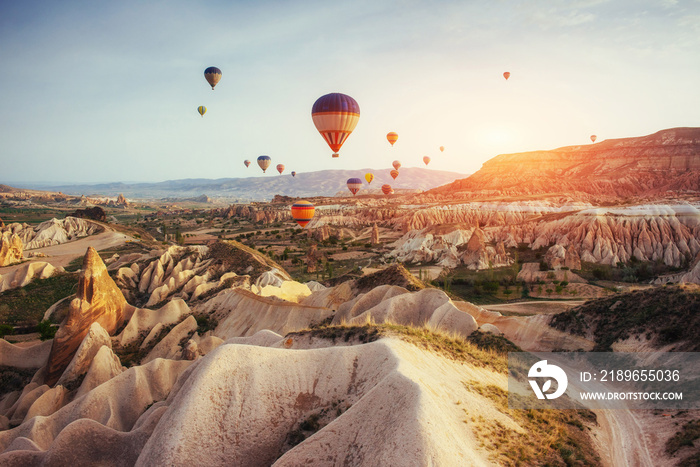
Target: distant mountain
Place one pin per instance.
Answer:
(668, 160)
(264, 187)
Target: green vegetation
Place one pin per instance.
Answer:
(686, 438)
(46, 330)
(485, 287)
(27, 305)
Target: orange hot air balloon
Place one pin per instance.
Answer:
(387, 190)
(442, 148)
(335, 116)
(593, 138)
(213, 76)
(280, 168)
(394, 174)
(392, 137)
(246, 162)
(396, 164)
(426, 159)
(506, 75)
(302, 212)
(369, 177)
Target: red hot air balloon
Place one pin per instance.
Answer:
(392, 137)
(335, 116)
(396, 164)
(246, 162)
(593, 138)
(213, 76)
(387, 190)
(302, 212)
(354, 185)
(280, 168)
(394, 173)
(506, 75)
(426, 159)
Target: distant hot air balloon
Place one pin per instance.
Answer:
(264, 162)
(442, 148)
(354, 185)
(593, 138)
(396, 164)
(246, 162)
(394, 174)
(369, 177)
(506, 75)
(212, 75)
(202, 110)
(426, 159)
(280, 168)
(335, 116)
(392, 137)
(303, 212)
(294, 174)
(387, 190)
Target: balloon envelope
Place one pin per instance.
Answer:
(354, 185)
(246, 162)
(394, 173)
(202, 110)
(264, 162)
(593, 138)
(335, 115)
(506, 75)
(387, 190)
(303, 212)
(280, 168)
(212, 75)
(426, 159)
(396, 164)
(294, 174)
(369, 177)
(442, 148)
(392, 137)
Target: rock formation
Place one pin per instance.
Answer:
(53, 232)
(98, 300)
(95, 213)
(121, 201)
(10, 249)
(25, 273)
(374, 239)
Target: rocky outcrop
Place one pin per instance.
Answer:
(25, 273)
(53, 232)
(374, 239)
(121, 201)
(10, 249)
(558, 257)
(98, 300)
(95, 213)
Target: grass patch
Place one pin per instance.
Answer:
(27, 305)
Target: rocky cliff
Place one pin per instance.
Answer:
(10, 249)
(668, 160)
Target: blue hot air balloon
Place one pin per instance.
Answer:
(264, 162)
(212, 75)
(354, 185)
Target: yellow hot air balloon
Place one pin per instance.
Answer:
(369, 177)
(302, 212)
(392, 137)
(202, 110)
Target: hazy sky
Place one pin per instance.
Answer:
(108, 91)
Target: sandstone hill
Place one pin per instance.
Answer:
(52, 232)
(666, 161)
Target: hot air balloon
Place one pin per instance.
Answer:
(442, 148)
(369, 177)
(426, 159)
(303, 212)
(593, 138)
(264, 162)
(392, 137)
(246, 162)
(280, 168)
(212, 75)
(396, 164)
(387, 190)
(202, 110)
(394, 174)
(506, 75)
(354, 185)
(335, 116)
(294, 174)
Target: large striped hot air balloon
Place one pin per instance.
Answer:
(387, 190)
(335, 116)
(212, 75)
(303, 212)
(506, 75)
(202, 110)
(394, 173)
(396, 164)
(354, 185)
(246, 162)
(426, 159)
(369, 177)
(392, 137)
(264, 162)
(294, 174)
(593, 138)
(280, 168)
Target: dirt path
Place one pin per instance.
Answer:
(534, 307)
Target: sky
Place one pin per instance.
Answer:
(97, 92)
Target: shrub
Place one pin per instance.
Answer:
(6, 330)
(46, 331)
